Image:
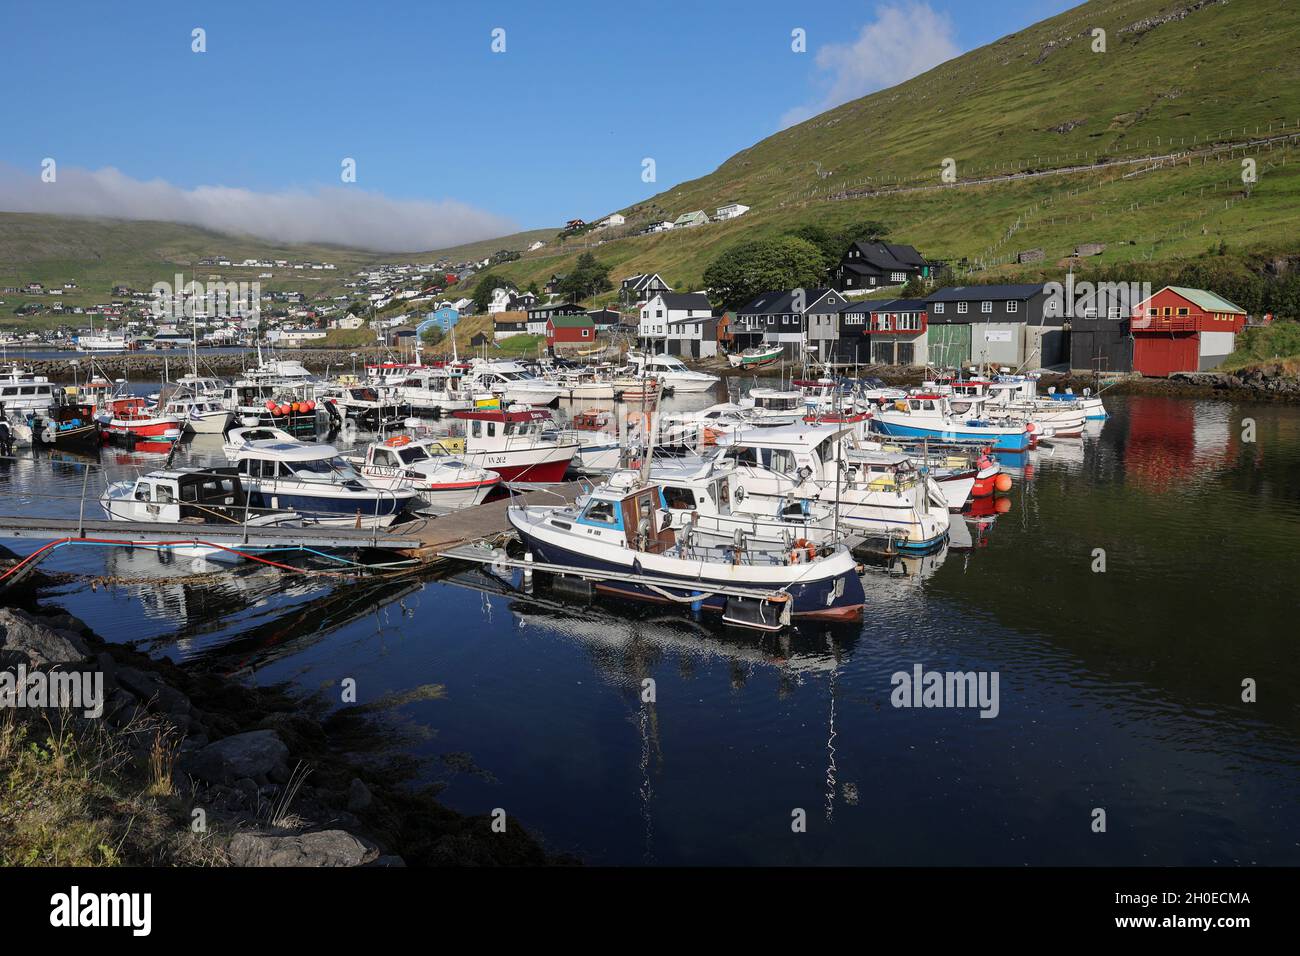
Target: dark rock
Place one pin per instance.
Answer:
(320, 848)
(257, 754)
(389, 859)
(42, 645)
(150, 688)
(358, 796)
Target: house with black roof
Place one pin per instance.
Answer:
(877, 265)
(1003, 325)
(784, 319)
(641, 288)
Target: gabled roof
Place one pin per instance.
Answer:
(1207, 301)
(896, 305)
(776, 303)
(978, 293)
(572, 322)
(887, 255)
(686, 300)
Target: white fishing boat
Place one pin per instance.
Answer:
(886, 497)
(432, 390)
(697, 496)
(198, 414)
(621, 539)
(441, 479)
(519, 444)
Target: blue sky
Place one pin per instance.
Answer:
(554, 127)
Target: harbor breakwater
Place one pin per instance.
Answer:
(186, 767)
(150, 366)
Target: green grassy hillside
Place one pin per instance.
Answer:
(1197, 75)
(98, 254)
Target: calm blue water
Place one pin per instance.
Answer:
(1119, 690)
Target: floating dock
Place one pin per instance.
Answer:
(440, 536)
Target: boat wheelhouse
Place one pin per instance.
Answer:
(23, 391)
(518, 444)
(263, 403)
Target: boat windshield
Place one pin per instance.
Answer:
(414, 453)
(321, 469)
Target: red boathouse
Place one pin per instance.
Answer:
(1183, 330)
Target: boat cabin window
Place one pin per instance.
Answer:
(384, 457)
(777, 459)
(492, 429)
(601, 512)
(165, 496)
(410, 456)
(476, 428)
(143, 491)
(679, 499)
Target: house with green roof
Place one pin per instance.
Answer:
(566, 332)
(1179, 329)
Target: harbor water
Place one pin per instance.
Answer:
(1127, 594)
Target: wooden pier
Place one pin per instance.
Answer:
(424, 538)
(486, 522)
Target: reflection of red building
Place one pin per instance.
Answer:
(1168, 445)
(1183, 330)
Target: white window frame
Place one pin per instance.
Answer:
(962, 308)
(1013, 305)
(938, 308)
(986, 307)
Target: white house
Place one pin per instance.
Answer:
(613, 220)
(731, 210)
(501, 300)
(672, 318)
(662, 226)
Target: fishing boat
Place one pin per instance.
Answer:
(190, 498)
(519, 444)
(442, 480)
(129, 418)
(366, 406)
(600, 450)
(929, 415)
(432, 391)
(696, 495)
(756, 357)
(66, 423)
(315, 481)
(199, 414)
(883, 496)
(264, 403)
(23, 391)
(672, 373)
(617, 539)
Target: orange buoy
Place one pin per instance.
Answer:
(1002, 482)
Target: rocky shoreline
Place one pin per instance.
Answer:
(235, 774)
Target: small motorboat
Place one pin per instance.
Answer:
(423, 465)
(313, 480)
(756, 357)
(130, 419)
(189, 498)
